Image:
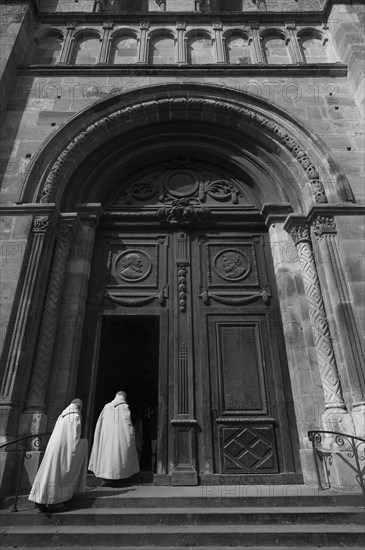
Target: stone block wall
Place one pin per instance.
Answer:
(16, 30)
(347, 32)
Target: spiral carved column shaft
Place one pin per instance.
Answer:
(324, 228)
(333, 397)
(38, 385)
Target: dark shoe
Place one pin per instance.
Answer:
(41, 507)
(107, 483)
(55, 508)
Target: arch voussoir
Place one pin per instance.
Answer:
(240, 116)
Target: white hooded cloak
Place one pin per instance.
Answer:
(62, 472)
(114, 452)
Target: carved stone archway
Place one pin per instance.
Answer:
(267, 142)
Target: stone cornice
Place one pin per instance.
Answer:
(272, 17)
(30, 209)
(299, 70)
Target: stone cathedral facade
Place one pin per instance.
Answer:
(182, 218)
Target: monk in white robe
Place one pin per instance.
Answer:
(114, 453)
(62, 472)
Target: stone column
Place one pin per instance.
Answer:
(66, 52)
(256, 40)
(67, 347)
(335, 415)
(143, 43)
(324, 228)
(184, 423)
(34, 416)
(105, 44)
(181, 43)
(22, 338)
(295, 49)
(219, 50)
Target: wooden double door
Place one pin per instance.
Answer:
(215, 357)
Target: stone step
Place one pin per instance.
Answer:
(311, 547)
(191, 516)
(150, 536)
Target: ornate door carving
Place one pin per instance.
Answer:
(222, 398)
(238, 340)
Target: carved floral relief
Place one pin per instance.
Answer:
(181, 179)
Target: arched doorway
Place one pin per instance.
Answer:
(205, 178)
(187, 322)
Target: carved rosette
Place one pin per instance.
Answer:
(320, 327)
(42, 361)
(240, 115)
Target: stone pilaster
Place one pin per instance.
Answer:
(257, 46)
(105, 44)
(67, 48)
(296, 50)
(184, 423)
(64, 369)
(34, 416)
(181, 42)
(304, 376)
(218, 41)
(335, 415)
(143, 43)
(23, 329)
(324, 228)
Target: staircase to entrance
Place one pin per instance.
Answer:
(210, 517)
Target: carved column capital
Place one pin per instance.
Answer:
(41, 224)
(254, 25)
(300, 233)
(217, 25)
(291, 26)
(324, 225)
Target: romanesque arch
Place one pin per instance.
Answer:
(291, 185)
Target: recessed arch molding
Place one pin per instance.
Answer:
(241, 111)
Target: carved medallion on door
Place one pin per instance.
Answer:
(137, 270)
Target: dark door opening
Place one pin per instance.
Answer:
(129, 361)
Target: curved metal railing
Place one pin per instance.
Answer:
(28, 443)
(351, 445)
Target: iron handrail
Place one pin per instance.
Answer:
(340, 440)
(37, 439)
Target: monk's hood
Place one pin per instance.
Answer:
(118, 401)
(70, 410)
